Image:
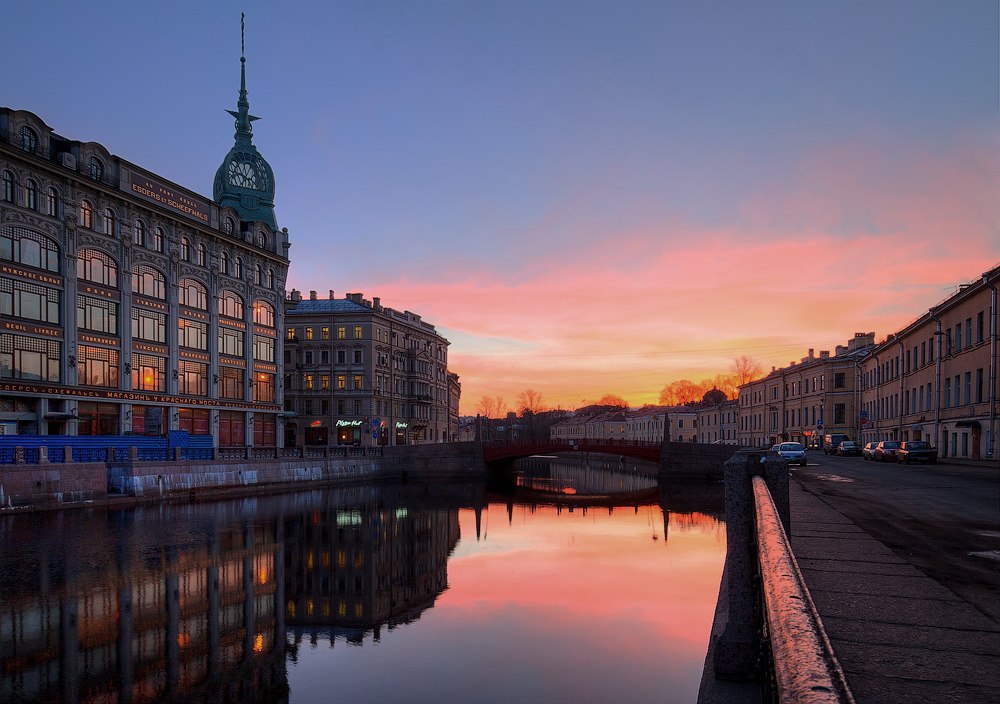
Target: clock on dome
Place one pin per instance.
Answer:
(248, 171)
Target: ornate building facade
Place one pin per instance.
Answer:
(131, 304)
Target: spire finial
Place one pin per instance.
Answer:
(242, 112)
(243, 45)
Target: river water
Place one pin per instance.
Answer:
(577, 580)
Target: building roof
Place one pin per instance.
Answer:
(326, 305)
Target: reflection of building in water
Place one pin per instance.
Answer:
(591, 474)
(351, 570)
(136, 622)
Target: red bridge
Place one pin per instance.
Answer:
(503, 452)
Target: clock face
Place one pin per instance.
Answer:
(248, 171)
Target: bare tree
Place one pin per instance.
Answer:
(531, 401)
(746, 369)
(492, 407)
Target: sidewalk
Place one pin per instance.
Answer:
(899, 635)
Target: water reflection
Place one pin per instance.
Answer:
(244, 600)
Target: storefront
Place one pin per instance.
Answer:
(317, 433)
(349, 432)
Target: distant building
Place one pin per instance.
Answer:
(364, 374)
(719, 422)
(936, 379)
(131, 304)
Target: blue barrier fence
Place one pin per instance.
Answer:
(94, 448)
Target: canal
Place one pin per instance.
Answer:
(575, 580)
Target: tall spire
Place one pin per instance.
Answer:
(244, 130)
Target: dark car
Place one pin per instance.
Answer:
(849, 448)
(916, 451)
(868, 452)
(885, 451)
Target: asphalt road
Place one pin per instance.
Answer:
(944, 519)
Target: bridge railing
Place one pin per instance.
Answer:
(774, 633)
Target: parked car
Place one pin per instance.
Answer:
(885, 451)
(848, 448)
(869, 451)
(793, 452)
(916, 451)
(831, 442)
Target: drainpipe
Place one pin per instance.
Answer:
(937, 383)
(902, 391)
(991, 439)
(877, 421)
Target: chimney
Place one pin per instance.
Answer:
(811, 352)
(331, 294)
(296, 296)
(354, 298)
(378, 302)
(824, 354)
(312, 295)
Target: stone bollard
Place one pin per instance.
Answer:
(19, 455)
(133, 454)
(178, 454)
(43, 455)
(68, 454)
(736, 648)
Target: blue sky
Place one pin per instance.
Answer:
(509, 169)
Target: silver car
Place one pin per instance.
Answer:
(793, 452)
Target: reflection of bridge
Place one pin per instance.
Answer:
(494, 453)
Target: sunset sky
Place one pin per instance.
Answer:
(585, 197)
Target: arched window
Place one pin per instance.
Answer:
(97, 268)
(96, 168)
(148, 281)
(8, 186)
(263, 314)
(23, 246)
(224, 263)
(86, 214)
(239, 268)
(109, 222)
(157, 240)
(261, 239)
(52, 202)
(29, 140)
(270, 279)
(139, 234)
(230, 305)
(31, 195)
(193, 294)
(185, 249)
(228, 226)
(257, 275)
(201, 254)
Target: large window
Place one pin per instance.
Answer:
(193, 294)
(23, 246)
(149, 373)
(263, 348)
(263, 314)
(97, 418)
(231, 384)
(8, 186)
(148, 281)
(230, 342)
(97, 366)
(96, 314)
(192, 334)
(230, 305)
(23, 299)
(97, 268)
(232, 428)
(193, 379)
(263, 387)
(23, 357)
(195, 421)
(149, 325)
(96, 168)
(109, 222)
(86, 215)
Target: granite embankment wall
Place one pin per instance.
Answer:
(694, 461)
(40, 485)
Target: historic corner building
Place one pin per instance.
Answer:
(360, 373)
(130, 304)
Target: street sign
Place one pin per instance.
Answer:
(819, 428)
(864, 415)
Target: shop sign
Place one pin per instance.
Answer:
(348, 423)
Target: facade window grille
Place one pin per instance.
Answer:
(97, 268)
(24, 299)
(148, 281)
(263, 387)
(192, 378)
(193, 294)
(149, 325)
(263, 314)
(231, 383)
(230, 342)
(22, 246)
(30, 358)
(263, 348)
(192, 334)
(149, 372)
(231, 305)
(29, 140)
(97, 314)
(97, 366)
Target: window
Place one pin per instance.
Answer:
(29, 140)
(958, 337)
(839, 380)
(185, 249)
(341, 357)
(270, 279)
(97, 366)
(192, 294)
(290, 333)
(139, 234)
(979, 385)
(23, 246)
(192, 334)
(341, 332)
(157, 244)
(96, 168)
(224, 263)
(324, 356)
(968, 331)
(23, 299)
(309, 333)
(947, 392)
(97, 314)
(230, 342)
(231, 383)
(149, 373)
(357, 356)
(357, 332)
(193, 378)
(239, 268)
(149, 325)
(261, 239)
(257, 276)
(52, 202)
(839, 413)
(31, 195)
(307, 382)
(231, 305)
(263, 314)
(97, 268)
(86, 215)
(8, 186)
(29, 358)
(263, 348)
(341, 381)
(324, 382)
(228, 226)
(97, 418)
(147, 281)
(263, 387)
(357, 382)
(201, 255)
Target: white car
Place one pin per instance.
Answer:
(792, 452)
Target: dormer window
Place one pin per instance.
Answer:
(29, 140)
(261, 239)
(96, 168)
(229, 226)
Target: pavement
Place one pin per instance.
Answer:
(899, 634)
